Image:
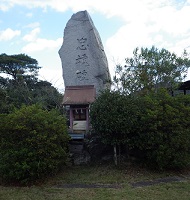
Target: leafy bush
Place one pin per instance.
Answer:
(156, 125)
(33, 144)
(113, 116)
(163, 131)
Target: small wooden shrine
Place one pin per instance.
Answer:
(76, 102)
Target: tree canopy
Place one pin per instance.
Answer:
(18, 65)
(150, 69)
(22, 86)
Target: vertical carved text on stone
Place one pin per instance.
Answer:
(81, 75)
(82, 44)
(82, 59)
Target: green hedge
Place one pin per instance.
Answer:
(155, 127)
(33, 144)
(163, 131)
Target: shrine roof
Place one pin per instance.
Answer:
(79, 95)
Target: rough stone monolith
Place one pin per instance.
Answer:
(82, 54)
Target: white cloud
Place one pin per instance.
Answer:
(180, 45)
(33, 25)
(54, 76)
(37, 44)
(163, 23)
(9, 34)
(170, 15)
(32, 36)
(4, 6)
(30, 14)
(160, 23)
(148, 23)
(42, 44)
(109, 7)
(171, 20)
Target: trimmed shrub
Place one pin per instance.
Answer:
(163, 132)
(33, 144)
(113, 117)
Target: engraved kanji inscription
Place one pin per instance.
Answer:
(81, 75)
(82, 59)
(82, 44)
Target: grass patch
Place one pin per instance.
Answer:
(102, 174)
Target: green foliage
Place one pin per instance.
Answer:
(22, 85)
(46, 95)
(157, 125)
(18, 66)
(162, 134)
(33, 144)
(163, 131)
(113, 117)
(150, 69)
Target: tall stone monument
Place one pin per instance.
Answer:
(82, 54)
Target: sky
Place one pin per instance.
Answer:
(35, 28)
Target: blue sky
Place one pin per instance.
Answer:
(35, 27)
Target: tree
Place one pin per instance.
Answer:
(22, 86)
(141, 114)
(33, 144)
(150, 69)
(113, 117)
(18, 66)
(46, 95)
(21, 70)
